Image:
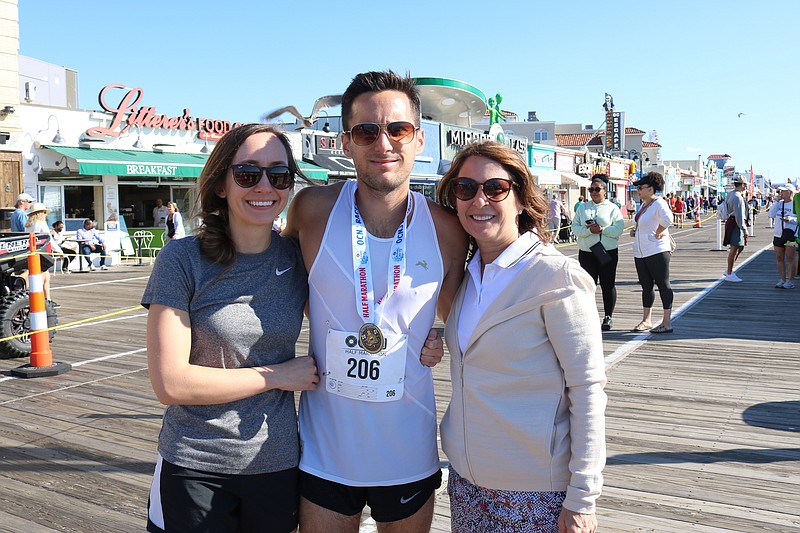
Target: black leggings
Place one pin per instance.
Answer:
(607, 274)
(654, 270)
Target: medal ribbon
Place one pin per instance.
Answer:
(365, 297)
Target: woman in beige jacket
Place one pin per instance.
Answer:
(525, 429)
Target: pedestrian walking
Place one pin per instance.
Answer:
(598, 224)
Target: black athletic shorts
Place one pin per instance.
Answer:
(182, 499)
(780, 242)
(387, 503)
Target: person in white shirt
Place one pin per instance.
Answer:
(652, 251)
(784, 235)
(381, 262)
(37, 223)
(68, 248)
(174, 229)
(525, 429)
(160, 213)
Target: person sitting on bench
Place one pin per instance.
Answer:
(91, 242)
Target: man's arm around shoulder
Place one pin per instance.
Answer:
(453, 243)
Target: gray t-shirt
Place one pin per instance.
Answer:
(247, 316)
(737, 208)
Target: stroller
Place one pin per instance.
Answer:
(565, 230)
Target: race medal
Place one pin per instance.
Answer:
(370, 338)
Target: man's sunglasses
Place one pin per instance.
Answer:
(247, 176)
(495, 189)
(594, 189)
(367, 133)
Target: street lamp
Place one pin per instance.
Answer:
(327, 126)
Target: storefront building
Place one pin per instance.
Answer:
(115, 163)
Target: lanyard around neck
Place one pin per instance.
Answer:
(365, 297)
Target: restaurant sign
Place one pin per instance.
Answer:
(130, 113)
(455, 138)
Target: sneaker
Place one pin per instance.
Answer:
(779, 285)
(788, 284)
(607, 323)
(103, 267)
(733, 278)
(92, 268)
(55, 304)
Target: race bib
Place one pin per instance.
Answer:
(354, 373)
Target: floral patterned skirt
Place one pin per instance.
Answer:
(480, 510)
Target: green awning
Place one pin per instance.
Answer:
(101, 161)
(313, 172)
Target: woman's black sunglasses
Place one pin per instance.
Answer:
(367, 133)
(594, 189)
(247, 176)
(495, 189)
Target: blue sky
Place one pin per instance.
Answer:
(684, 69)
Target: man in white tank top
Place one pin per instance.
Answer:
(381, 261)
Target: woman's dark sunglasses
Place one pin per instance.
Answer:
(247, 176)
(495, 189)
(367, 133)
(594, 189)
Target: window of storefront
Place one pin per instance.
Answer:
(72, 203)
(136, 202)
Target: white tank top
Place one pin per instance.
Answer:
(363, 443)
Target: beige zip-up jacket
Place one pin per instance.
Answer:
(528, 407)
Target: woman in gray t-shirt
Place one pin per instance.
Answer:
(225, 311)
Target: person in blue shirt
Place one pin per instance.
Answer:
(91, 242)
(20, 216)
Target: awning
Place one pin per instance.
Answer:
(568, 178)
(313, 172)
(101, 161)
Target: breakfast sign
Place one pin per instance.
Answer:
(129, 112)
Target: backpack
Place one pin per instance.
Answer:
(722, 210)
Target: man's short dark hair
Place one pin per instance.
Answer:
(373, 82)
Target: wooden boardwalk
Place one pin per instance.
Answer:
(703, 424)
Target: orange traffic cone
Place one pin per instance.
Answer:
(41, 357)
(697, 218)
